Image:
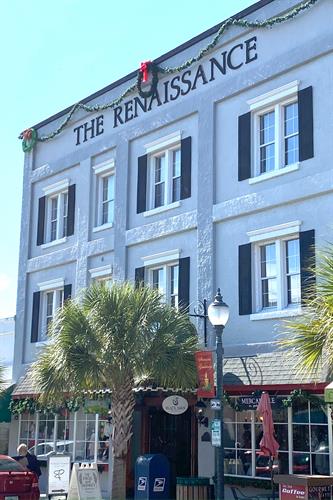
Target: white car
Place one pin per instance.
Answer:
(43, 450)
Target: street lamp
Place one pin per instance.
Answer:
(218, 314)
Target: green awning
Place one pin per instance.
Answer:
(5, 398)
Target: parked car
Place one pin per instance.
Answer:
(16, 483)
(43, 450)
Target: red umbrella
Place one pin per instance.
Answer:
(268, 444)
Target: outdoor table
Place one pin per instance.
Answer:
(302, 487)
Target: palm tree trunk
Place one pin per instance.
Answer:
(122, 409)
(119, 479)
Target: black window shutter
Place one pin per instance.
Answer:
(41, 220)
(185, 167)
(244, 279)
(305, 123)
(67, 292)
(71, 210)
(244, 146)
(142, 184)
(35, 316)
(139, 276)
(184, 283)
(307, 262)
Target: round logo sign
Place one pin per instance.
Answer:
(175, 405)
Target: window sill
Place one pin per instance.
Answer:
(164, 208)
(275, 173)
(282, 313)
(54, 243)
(108, 225)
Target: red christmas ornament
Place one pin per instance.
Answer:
(144, 68)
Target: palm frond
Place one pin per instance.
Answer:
(311, 337)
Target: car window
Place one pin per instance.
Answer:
(10, 465)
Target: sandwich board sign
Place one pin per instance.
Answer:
(84, 484)
(59, 470)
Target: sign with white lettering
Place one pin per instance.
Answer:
(292, 492)
(59, 469)
(175, 405)
(216, 432)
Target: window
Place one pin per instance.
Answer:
(164, 174)
(105, 195)
(165, 279)
(165, 177)
(280, 274)
(57, 215)
(278, 137)
(53, 300)
(277, 270)
(276, 130)
(102, 274)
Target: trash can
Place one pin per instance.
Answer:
(152, 477)
(193, 488)
(299, 487)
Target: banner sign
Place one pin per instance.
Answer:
(205, 371)
(292, 492)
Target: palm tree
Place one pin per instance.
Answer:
(117, 338)
(311, 337)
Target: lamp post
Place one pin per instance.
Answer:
(218, 314)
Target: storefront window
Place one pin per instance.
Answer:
(310, 440)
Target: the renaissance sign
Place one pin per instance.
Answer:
(170, 90)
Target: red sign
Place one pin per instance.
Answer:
(205, 370)
(292, 492)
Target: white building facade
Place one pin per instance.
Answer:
(222, 178)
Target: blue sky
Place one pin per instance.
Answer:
(55, 53)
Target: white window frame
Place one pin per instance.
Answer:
(101, 171)
(164, 260)
(275, 100)
(163, 146)
(278, 234)
(56, 191)
(57, 287)
(103, 273)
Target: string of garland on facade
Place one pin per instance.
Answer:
(31, 405)
(30, 136)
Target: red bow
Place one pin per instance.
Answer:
(144, 68)
(27, 134)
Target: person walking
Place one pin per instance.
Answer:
(28, 460)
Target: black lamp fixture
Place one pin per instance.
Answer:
(200, 407)
(218, 314)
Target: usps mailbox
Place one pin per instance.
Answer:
(152, 477)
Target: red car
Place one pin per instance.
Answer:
(15, 482)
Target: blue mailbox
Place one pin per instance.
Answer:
(152, 477)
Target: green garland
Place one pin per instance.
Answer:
(155, 69)
(296, 396)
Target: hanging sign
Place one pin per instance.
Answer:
(175, 405)
(84, 484)
(328, 393)
(205, 371)
(59, 469)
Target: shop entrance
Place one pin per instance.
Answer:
(171, 435)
